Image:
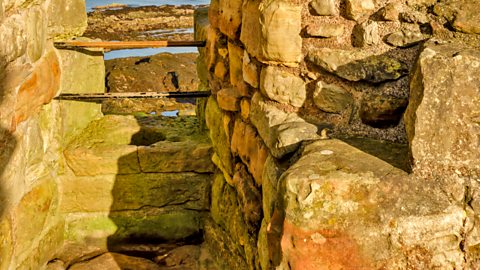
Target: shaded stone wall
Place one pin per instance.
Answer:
(135, 180)
(292, 81)
(33, 128)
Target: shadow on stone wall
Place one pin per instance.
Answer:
(7, 144)
(154, 212)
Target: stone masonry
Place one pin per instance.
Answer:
(33, 128)
(295, 84)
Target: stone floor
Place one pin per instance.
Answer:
(133, 257)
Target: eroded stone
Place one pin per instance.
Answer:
(382, 111)
(331, 98)
(324, 7)
(325, 30)
(282, 86)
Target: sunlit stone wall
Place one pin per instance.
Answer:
(287, 75)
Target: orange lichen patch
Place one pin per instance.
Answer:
(324, 249)
(39, 89)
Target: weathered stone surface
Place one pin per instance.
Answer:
(235, 57)
(390, 12)
(265, 28)
(115, 261)
(183, 156)
(127, 192)
(223, 249)
(357, 9)
(250, 148)
(39, 89)
(374, 69)
(220, 70)
(249, 197)
(161, 72)
(219, 136)
(331, 98)
(245, 109)
(155, 224)
(229, 99)
(47, 247)
(104, 147)
(282, 86)
(382, 111)
(228, 233)
(350, 202)
(282, 132)
(36, 33)
(324, 7)
(405, 38)
(325, 30)
(442, 118)
(6, 243)
(413, 16)
(250, 71)
(467, 18)
(365, 34)
(31, 214)
(230, 17)
(185, 256)
(66, 19)
(81, 73)
(356, 65)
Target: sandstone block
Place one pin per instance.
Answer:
(116, 261)
(250, 148)
(349, 201)
(151, 223)
(442, 116)
(249, 197)
(51, 241)
(129, 192)
(390, 12)
(218, 135)
(32, 213)
(405, 38)
(325, 30)
(183, 156)
(467, 19)
(230, 17)
(357, 65)
(282, 86)
(102, 159)
(67, 19)
(36, 33)
(81, 73)
(282, 132)
(265, 28)
(331, 98)
(39, 88)
(324, 7)
(365, 34)
(6, 242)
(357, 9)
(382, 111)
(235, 57)
(245, 109)
(229, 99)
(250, 71)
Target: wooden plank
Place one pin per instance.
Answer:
(121, 45)
(133, 95)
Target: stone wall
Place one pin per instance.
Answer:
(135, 180)
(298, 88)
(33, 128)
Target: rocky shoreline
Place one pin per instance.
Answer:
(141, 23)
